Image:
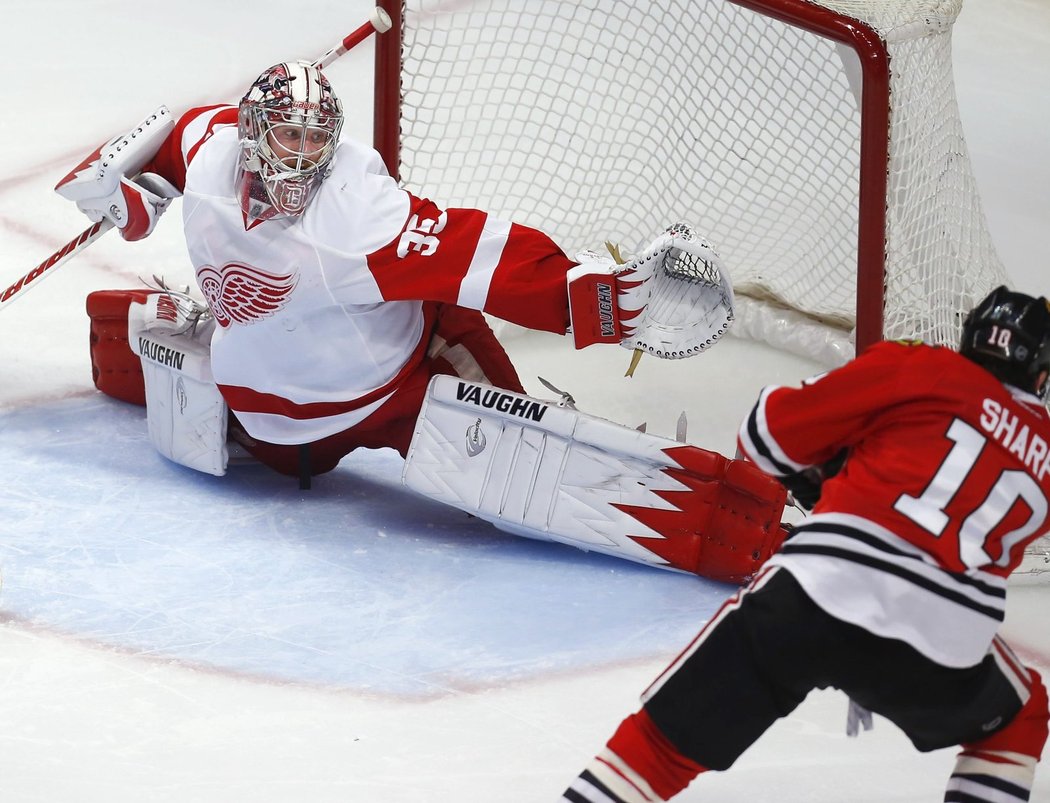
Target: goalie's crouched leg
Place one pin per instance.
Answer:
(115, 368)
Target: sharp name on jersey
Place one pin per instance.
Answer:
(946, 482)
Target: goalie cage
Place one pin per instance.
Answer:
(818, 145)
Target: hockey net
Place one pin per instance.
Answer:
(818, 146)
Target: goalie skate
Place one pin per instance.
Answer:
(550, 472)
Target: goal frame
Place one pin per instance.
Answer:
(874, 145)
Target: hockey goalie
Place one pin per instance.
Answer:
(336, 310)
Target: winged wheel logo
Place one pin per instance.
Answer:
(244, 294)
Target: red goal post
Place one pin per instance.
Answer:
(847, 212)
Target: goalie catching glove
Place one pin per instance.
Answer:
(101, 188)
(673, 300)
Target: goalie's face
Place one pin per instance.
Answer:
(289, 125)
(300, 148)
(297, 146)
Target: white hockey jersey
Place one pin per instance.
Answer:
(321, 316)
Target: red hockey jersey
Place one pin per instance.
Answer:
(947, 479)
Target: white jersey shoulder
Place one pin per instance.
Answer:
(359, 208)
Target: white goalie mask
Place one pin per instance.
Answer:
(289, 124)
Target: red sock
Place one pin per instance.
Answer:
(641, 745)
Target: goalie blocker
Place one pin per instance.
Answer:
(530, 467)
(549, 472)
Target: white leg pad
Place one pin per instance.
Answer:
(542, 471)
(185, 412)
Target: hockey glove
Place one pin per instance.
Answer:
(805, 486)
(101, 188)
(673, 300)
(134, 207)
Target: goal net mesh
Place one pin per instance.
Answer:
(601, 120)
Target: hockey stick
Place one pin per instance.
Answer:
(379, 22)
(70, 249)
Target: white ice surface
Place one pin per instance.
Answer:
(169, 636)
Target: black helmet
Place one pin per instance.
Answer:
(1009, 334)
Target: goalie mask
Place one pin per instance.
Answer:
(289, 124)
(1008, 334)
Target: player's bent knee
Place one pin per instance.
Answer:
(1027, 732)
(1002, 766)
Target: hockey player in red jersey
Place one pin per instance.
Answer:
(336, 299)
(930, 472)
